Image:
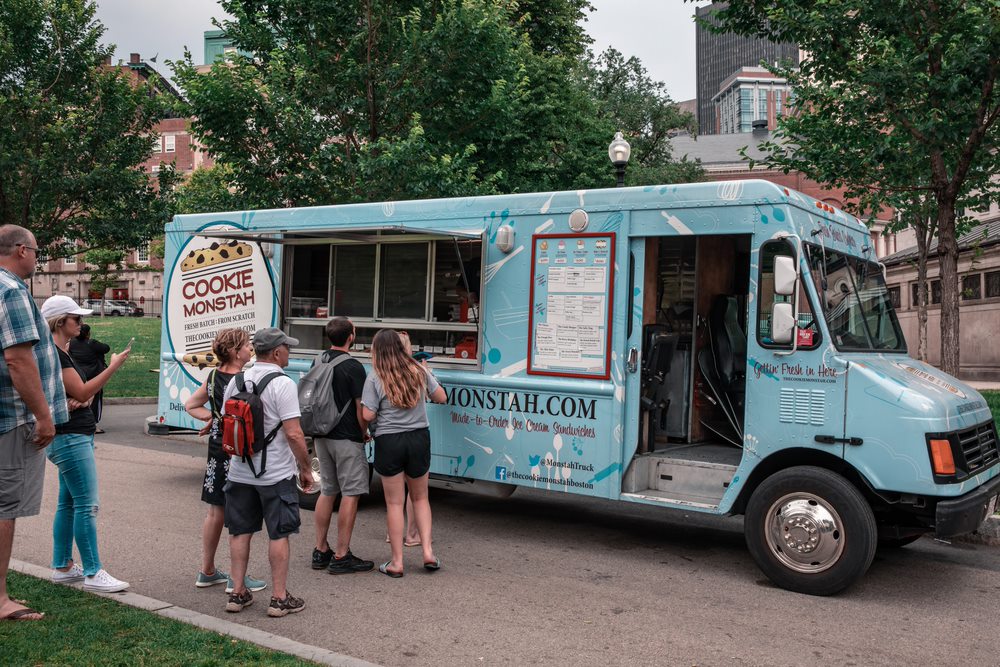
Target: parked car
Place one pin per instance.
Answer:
(114, 307)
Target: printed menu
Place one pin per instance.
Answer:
(570, 319)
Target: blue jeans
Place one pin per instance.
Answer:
(76, 513)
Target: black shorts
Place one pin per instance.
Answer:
(277, 505)
(409, 452)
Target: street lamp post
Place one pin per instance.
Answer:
(619, 151)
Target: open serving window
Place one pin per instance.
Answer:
(423, 281)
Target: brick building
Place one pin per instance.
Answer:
(979, 305)
(141, 279)
(720, 158)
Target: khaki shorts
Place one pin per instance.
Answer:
(22, 473)
(343, 467)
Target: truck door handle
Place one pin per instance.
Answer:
(831, 440)
(632, 362)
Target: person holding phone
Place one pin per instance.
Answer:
(72, 451)
(89, 353)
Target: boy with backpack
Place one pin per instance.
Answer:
(262, 434)
(330, 401)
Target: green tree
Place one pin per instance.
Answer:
(555, 27)
(73, 132)
(360, 100)
(207, 190)
(894, 99)
(642, 109)
(106, 271)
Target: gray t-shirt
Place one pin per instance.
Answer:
(392, 419)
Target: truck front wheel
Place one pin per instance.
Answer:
(810, 530)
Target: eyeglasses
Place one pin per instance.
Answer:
(75, 318)
(27, 247)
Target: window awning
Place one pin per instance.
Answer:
(360, 234)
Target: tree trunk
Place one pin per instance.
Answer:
(948, 257)
(923, 242)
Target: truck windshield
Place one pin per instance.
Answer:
(855, 301)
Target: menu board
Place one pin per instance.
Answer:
(571, 294)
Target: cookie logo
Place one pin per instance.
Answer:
(215, 254)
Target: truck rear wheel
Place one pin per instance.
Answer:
(810, 530)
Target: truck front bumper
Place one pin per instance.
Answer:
(966, 513)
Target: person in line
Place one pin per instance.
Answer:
(272, 498)
(393, 398)
(72, 452)
(32, 400)
(412, 536)
(343, 465)
(89, 353)
(233, 349)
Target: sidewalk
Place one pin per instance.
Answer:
(150, 535)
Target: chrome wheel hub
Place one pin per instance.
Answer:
(805, 533)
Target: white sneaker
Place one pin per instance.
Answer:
(102, 582)
(72, 575)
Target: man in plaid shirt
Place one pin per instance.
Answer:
(32, 399)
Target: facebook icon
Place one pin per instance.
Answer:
(501, 473)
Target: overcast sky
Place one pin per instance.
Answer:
(659, 32)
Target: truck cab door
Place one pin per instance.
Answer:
(795, 391)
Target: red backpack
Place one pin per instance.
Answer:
(243, 422)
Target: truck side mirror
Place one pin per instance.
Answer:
(784, 275)
(782, 323)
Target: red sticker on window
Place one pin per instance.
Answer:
(805, 337)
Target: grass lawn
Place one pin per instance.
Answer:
(134, 378)
(84, 629)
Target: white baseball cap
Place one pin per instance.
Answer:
(58, 305)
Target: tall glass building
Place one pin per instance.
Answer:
(720, 56)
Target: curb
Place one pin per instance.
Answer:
(988, 533)
(206, 622)
(131, 400)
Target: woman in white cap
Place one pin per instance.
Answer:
(72, 451)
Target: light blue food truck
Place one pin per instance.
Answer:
(725, 348)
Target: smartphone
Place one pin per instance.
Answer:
(129, 346)
(422, 356)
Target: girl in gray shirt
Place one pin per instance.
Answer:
(393, 399)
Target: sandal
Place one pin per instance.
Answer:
(414, 543)
(20, 615)
(433, 566)
(384, 569)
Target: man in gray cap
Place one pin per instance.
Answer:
(271, 498)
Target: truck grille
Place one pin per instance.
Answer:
(979, 446)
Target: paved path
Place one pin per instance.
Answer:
(541, 578)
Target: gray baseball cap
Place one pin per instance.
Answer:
(265, 340)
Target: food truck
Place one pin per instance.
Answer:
(724, 348)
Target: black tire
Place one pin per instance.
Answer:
(810, 530)
(115, 313)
